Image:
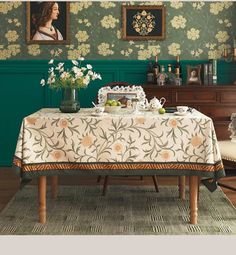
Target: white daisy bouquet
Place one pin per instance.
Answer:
(75, 77)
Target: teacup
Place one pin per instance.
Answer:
(182, 109)
(99, 109)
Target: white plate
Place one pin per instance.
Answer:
(181, 113)
(98, 114)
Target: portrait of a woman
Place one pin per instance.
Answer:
(48, 22)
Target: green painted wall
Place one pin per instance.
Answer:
(195, 30)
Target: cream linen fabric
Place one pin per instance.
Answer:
(51, 136)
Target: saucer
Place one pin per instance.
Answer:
(98, 114)
(181, 113)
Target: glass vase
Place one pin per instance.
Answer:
(69, 103)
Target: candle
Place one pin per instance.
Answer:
(225, 54)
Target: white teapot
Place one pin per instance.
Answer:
(143, 105)
(156, 104)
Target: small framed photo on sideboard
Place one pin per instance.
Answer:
(194, 75)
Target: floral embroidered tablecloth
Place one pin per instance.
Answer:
(52, 143)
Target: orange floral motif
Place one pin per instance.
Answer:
(57, 154)
(173, 123)
(31, 120)
(165, 155)
(87, 141)
(118, 147)
(140, 120)
(196, 141)
(63, 123)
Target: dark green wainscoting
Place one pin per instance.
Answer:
(21, 93)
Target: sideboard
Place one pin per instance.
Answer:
(217, 102)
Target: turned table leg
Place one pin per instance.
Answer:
(54, 185)
(42, 199)
(193, 193)
(182, 187)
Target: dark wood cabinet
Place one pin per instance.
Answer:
(218, 102)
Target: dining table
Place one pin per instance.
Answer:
(145, 143)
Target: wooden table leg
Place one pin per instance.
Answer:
(54, 185)
(182, 187)
(42, 199)
(193, 198)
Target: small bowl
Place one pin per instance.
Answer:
(112, 109)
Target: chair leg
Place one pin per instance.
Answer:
(141, 178)
(104, 191)
(154, 178)
(99, 178)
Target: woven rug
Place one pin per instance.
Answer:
(125, 210)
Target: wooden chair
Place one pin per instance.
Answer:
(106, 179)
(228, 154)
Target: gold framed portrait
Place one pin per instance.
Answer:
(47, 22)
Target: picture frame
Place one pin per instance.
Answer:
(124, 94)
(194, 75)
(37, 32)
(144, 22)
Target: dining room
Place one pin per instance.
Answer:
(121, 118)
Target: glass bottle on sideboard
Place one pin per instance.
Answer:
(178, 79)
(156, 68)
(162, 77)
(170, 76)
(178, 65)
(150, 74)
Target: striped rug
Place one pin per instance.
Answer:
(125, 210)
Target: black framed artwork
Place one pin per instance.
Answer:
(47, 22)
(144, 22)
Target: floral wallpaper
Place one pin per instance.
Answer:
(195, 30)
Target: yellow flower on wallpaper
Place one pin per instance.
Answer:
(193, 34)
(104, 49)
(154, 49)
(198, 5)
(107, 5)
(149, 3)
(222, 36)
(176, 4)
(73, 54)
(178, 22)
(215, 8)
(214, 54)
(8, 6)
(109, 21)
(118, 34)
(11, 35)
(82, 36)
(33, 49)
(84, 49)
(127, 52)
(174, 49)
(14, 49)
(196, 53)
(76, 7)
(144, 54)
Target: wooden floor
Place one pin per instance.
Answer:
(9, 183)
